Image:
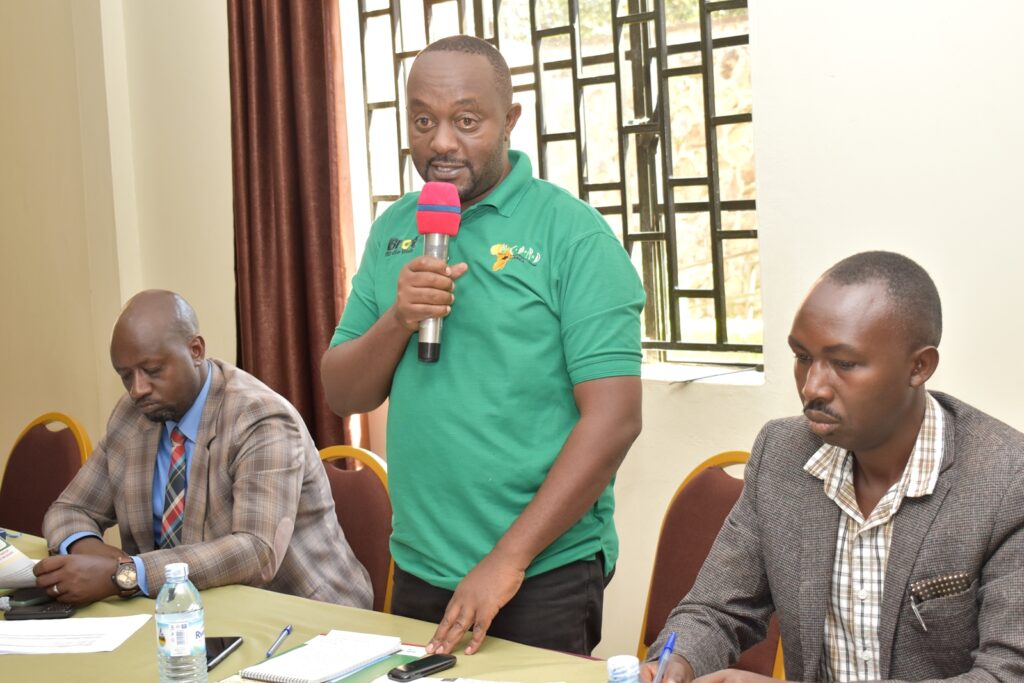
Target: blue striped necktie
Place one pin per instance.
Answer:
(174, 494)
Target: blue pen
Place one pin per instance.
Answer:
(663, 659)
(285, 632)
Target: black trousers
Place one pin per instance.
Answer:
(557, 610)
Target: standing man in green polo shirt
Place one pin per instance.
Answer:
(502, 454)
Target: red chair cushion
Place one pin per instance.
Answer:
(364, 512)
(41, 466)
(690, 527)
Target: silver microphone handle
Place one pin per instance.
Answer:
(435, 244)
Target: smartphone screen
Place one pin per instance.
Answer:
(218, 648)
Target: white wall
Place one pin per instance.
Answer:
(115, 175)
(47, 344)
(181, 137)
(877, 125)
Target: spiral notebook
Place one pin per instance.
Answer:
(324, 658)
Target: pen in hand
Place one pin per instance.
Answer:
(280, 639)
(663, 659)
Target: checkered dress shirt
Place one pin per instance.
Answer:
(851, 648)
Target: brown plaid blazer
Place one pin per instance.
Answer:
(258, 508)
(777, 547)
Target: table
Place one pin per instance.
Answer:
(258, 616)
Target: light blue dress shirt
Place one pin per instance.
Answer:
(189, 426)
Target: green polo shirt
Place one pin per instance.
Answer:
(550, 300)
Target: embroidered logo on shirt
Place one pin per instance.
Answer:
(398, 245)
(503, 253)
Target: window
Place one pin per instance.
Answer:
(641, 107)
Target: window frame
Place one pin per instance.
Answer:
(655, 203)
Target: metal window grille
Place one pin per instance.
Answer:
(641, 107)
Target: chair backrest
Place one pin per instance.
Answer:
(45, 458)
(363, 507)
(692, 522)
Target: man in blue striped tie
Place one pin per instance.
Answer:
(201, 463)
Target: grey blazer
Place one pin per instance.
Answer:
(258, 508)
(777, 547)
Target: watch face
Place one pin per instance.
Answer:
(126, 575)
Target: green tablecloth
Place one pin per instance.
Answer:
(258, 616)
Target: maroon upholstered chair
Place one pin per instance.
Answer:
(45, 458)
(363, 506)
(693, 519)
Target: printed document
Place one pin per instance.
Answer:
(15, 567)
(57, 636)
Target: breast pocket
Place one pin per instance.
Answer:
(952, 622)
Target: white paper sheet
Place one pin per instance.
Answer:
(385, 679)
(15, 567)
(55, 636)
(413, 650)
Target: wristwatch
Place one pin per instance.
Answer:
(125, 578)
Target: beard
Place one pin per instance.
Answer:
(479, 181)
(162, 414)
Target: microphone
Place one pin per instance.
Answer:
(438, 214)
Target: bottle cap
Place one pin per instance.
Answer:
(176, 572)
(623, 668)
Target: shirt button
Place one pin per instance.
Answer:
(862, 594)
(865, 655)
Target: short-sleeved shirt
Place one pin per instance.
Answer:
(550, 300)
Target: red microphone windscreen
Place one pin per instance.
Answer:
(439, 209)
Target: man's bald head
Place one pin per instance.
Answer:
(160, 310)
(158, 353)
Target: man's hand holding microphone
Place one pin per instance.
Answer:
(426, 284)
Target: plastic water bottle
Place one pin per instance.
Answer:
(623, 669)
(181, 645)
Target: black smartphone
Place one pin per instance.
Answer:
(33, 595)
(49, 610)
(218, 648)
(424, 666)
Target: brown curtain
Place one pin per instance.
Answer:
(291, 197)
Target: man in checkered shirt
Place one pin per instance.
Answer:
(885, 526)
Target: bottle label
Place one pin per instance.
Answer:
(180, 635)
